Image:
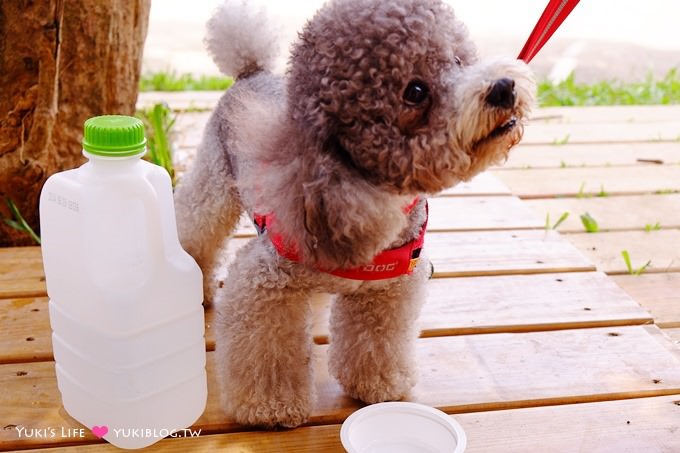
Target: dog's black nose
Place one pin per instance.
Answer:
(502, 93)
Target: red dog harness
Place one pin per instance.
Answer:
(387, 264)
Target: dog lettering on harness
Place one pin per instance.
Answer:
(379, 267)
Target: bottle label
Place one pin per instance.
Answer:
(63, 201)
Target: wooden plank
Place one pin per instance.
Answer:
(636, 425)
(457, 374)
(541, 183)
(20, 263)
(26, 333)
(518, 303)
(482, 184)
(604, 249)
(468, 305)
(480, 213)
(553, 133)
(674, 335)
(657, 293)
(23, 287)
(607, 114)
(600, 155)
(611, 213)
(502, 252)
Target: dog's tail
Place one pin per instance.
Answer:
(240, 39)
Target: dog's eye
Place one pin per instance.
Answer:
(415, 93)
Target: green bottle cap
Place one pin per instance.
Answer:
(114, 136)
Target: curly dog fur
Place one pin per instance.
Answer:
(384, 101)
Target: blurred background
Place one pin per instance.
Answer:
(624, 40)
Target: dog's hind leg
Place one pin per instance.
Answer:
(263, 340)
(373, 333)
(207, 204)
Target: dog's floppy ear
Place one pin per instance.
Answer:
(345, 220)
(329, 208)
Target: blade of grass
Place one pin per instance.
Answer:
(626, 259)
(581, 193)
(643, 268)
(158, 121)
(18, 222)
(589, 223)
(562, 218)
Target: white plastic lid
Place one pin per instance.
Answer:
(401, 427)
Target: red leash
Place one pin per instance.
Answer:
(551, 19)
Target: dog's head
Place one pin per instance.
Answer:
(394, 90)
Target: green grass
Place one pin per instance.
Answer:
(18, 222)
(648, 92)
(589, 223)
(602, 193)
(629, 266)
(158, 121)
(568, 92)
(562, 218)
(561, 141)
(171, 81)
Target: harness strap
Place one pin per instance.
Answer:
(387, 264)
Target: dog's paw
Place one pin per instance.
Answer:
(379, 387)
(273, 414)
(211, 290)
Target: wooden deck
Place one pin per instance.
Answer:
(533, 339)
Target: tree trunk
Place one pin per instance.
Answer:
(61, 62)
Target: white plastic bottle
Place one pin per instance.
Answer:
(125, 299)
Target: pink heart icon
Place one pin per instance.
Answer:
(100, 431)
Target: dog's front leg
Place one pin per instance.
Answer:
(373, 333)
(263, 341)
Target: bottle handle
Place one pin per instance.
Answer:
(152, 211)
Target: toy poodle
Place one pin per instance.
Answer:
(384, 102)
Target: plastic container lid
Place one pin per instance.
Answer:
(114, 136)
(401, 427)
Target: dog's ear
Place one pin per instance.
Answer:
(345, 220)
(330, 236)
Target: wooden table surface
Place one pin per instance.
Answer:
(533, 339)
